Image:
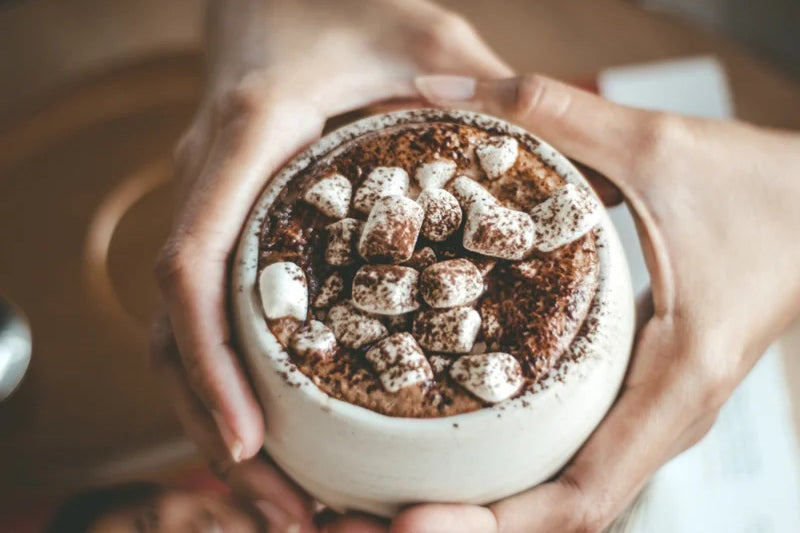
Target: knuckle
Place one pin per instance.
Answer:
(530, 93)
(172, 266)
(185, 149)
(237, 105)
(659, 136)
(447, 28)
(200, 376)
(714, 374)
(594, 518)
(593, 511)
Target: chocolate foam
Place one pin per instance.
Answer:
(531, 309)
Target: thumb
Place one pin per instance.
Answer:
(584, 126)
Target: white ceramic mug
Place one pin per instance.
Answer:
(352, 458)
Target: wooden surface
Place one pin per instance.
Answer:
(85, 203)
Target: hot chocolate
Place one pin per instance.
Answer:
(429, 269)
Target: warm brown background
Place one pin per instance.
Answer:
(92, 97)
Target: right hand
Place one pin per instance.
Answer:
(278, 69)
(716, 204)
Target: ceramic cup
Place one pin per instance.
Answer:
(352, 458)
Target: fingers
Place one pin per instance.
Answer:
(255, 479)
(445, 518)
(586, 127)
(248, 145)
(355, 523)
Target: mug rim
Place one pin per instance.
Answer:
(248, 309)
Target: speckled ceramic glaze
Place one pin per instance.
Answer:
(351, 458)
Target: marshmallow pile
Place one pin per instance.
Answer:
(415, 316)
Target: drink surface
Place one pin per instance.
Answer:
(427, 270)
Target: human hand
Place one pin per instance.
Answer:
(716, 207)
(278, 69)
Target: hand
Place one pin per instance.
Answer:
(716, 205)
(278, 69)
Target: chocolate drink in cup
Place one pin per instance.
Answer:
(431, 279)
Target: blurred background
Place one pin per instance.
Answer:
(93, 95)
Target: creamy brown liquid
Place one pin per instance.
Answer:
(542, 301)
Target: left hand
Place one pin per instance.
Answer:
(277, 71)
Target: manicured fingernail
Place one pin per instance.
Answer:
(234, 444)
(277, 518)
(445, 88)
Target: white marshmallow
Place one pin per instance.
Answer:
(497, 231)
(468, 191)
(386, 289)
(314, 340)
(399, 362)
(492, 377)
(331, 289)
(354, 328)
(284, 291)
(450, 330)
(442, 214)
(570, 213)
(435, 174)
(422, 259)
(331, 195)
(497, 155)
(382, 181)
(284, 328)
(439, 363)
(391, 231)
(342, 239)
(451, 283)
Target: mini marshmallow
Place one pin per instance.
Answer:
(442, 214)
(385, 289)
(331, 195)
(284, 328)
(399, 362)
(435, 174)
(451, 283)
(492, 377)
(439, 363)
(450, 330)
(381, 182)
(354, 328)
(331, 289)
(498, 231)
(284, 291)
(391, 231)
(314, 340)
(468, 191)
(497, 155)
(567, 215)
(342, 238)
(421, 259)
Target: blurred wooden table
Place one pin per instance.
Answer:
(92, 99)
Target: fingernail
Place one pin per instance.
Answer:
(445, 88)
(234, 444)
(277, 518)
